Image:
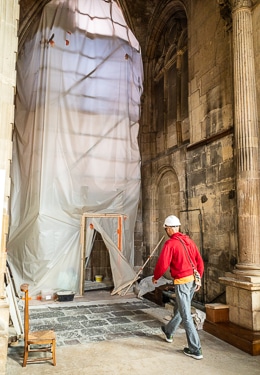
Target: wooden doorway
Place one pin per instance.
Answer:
(119, 234)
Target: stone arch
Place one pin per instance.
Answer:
(167, 196)
(157, 24)
(165, 200)
(167, 63)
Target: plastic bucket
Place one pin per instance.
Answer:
(98, 278)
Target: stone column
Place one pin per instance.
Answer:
(246, 139)
(243, 285)
(178, 96)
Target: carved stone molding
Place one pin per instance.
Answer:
(242, 3)
(226, 8)
(226, 13)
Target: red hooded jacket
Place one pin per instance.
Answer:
(173, 255)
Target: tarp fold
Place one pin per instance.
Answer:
(79, 82)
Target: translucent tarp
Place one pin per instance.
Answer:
(79, 84)
(122, 272)
(146, 285)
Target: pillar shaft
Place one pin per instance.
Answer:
(246, 139)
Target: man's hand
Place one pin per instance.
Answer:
(197, 288)
(153, 280)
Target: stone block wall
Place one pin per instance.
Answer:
(210, 154)
(202, 188)
(244, 305)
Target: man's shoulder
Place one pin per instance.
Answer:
(184, 238)
(180, 237)
(174, 239)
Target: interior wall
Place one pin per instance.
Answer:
(199, 147)
(163, 140)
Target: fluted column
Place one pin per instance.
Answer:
(243, 284)
(246, 140)
(178, 96)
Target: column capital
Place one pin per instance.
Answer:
(227, 7)
(237, 4)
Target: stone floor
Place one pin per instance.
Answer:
(102, 334)
(81, 323)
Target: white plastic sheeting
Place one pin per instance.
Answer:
(75, 150)
(146, 285)
(122, 272)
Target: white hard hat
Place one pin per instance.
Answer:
(171, 221)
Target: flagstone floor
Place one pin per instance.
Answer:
(83, 322)
(102, 335)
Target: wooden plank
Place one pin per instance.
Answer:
(15, 315)
(216, 306)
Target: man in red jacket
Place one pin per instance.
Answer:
(181, 255)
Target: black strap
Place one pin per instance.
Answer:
(183, 244)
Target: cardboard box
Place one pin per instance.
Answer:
(217, 312)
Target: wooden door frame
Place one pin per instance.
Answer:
(86, 215)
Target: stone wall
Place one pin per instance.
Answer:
(192, 176)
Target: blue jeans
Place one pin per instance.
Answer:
(182, 313)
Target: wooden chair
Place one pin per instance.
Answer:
(45, 341)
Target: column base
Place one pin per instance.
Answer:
(243, 299)
(241, 338)
(217, 323)
(247, 269)
(238, 322)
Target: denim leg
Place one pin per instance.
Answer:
(184, 294)
(172, 326)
